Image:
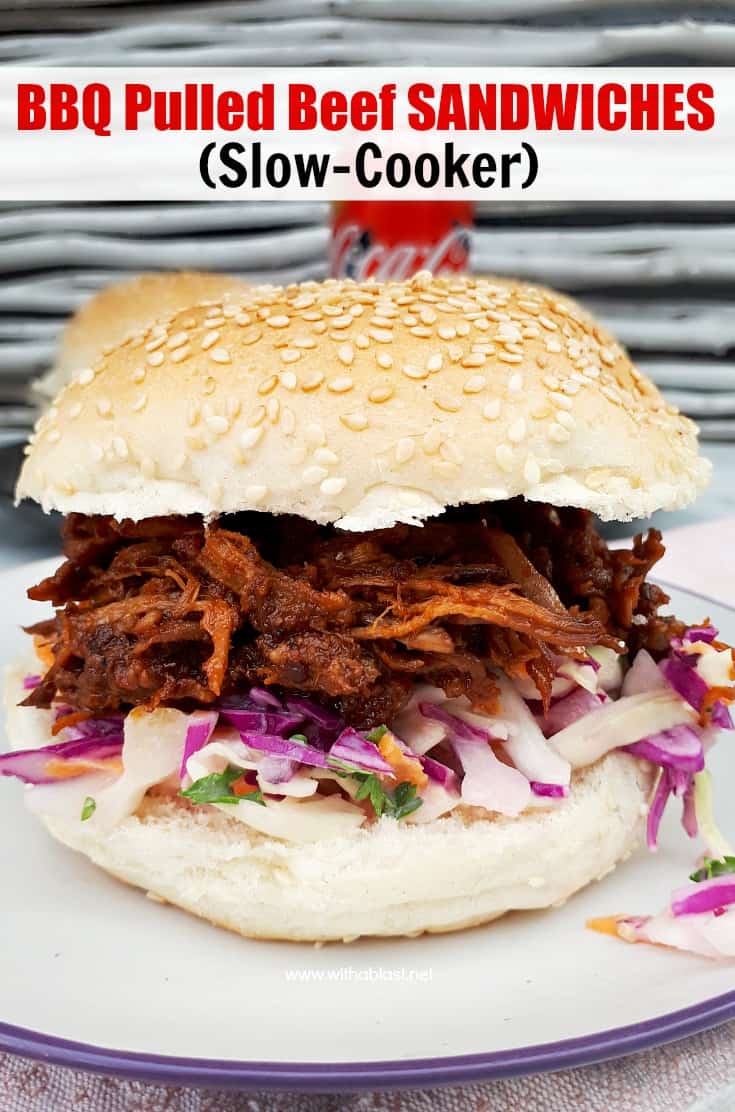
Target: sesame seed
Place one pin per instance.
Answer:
(509, 357)
(209, 386)
(320, 327)
(558, 434)
(385, 360)
(340, 385)
(155, 358)
(354, 421)
(531, 471)
(362, 341)
(178, 340)
(591, 372)
(381, 335)
(278, 321)
(447, 331)
(75, 410)
(431, 440)
(217, 424)
(342, 321)
(313, 475)
(140, 403)
(553, 345)
(421, 330)
(243, 319)
(312, 381)
(288, 421)
(250, 437)
(183, 353)
(474, 384)
(85, 377)
(346, 354)
(462, 327)
(427, 316)
(326, 456)
(220, 355)
(474, 359)
(251, 336)
(450, 452)
(268, 384)
(119, 447)
(53, 436)
(333, 486)
(156, 343)
(560, 400)
(504, 457)
(546, 323)
(570, 386)
(137, 376)
(273, 408)
(411, 371)
(517, 431)
(314, 435)
(304, 342)
(434, 363)
(515, 384)
(491, 411)
(449, 403)
(356, 310)
(257, 416)
(312, 315)
(288, 355)
(104, 407)
(255, 493)
(192, 414)
(565, 419)
(404, 449)
(210, 339)
(215, 321)
(607, 356)
(409, 320)
(381, 321)
(380, 394)
(454, 351)
(303, 301)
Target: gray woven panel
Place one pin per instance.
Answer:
(661, 278)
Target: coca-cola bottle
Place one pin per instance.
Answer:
(395, 239)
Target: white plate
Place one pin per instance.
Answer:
(93, 974)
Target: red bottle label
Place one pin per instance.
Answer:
(395, 239)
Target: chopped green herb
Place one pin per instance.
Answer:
(300, 738)
(376, 734)
(215, 788)
(88, 808)
(714, 867)
(399, 803)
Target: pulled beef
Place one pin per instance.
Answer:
(169, 611)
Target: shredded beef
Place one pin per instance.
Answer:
(169, 611)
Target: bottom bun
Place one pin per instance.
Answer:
(388, 879)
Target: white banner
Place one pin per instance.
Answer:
(111, 134)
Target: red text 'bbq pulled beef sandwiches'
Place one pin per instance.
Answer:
(337, 649)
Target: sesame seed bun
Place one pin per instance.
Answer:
(106, 319)
(365, 405)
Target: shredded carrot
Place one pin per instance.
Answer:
(405, 768)
(242, 787)
(65, 770)
(44, 651)
(714, 695)
(606, 925)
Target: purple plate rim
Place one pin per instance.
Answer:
(585, 1050)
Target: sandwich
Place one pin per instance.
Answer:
(105, 319)
(337, 647)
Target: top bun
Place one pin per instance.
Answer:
(105, 320)
(365, 405)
